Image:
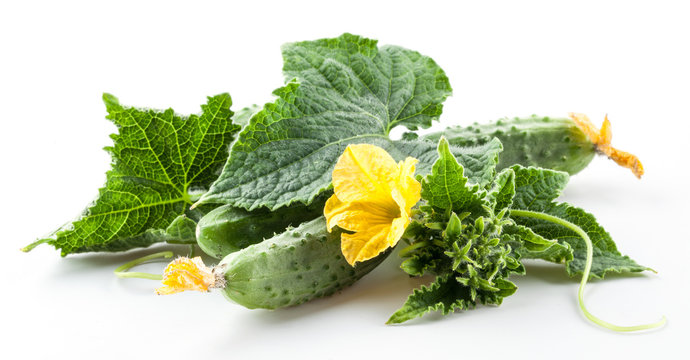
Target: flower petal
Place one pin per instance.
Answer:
(370, 242)
(582, 121)
(184, 274)
(365, 173)
(397, 230)
(602, 140)
(410, 188)
(332, 210)
(366, 244)
(357, 216)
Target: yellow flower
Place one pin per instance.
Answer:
(372, 200)
(602, 140)
(184, 274)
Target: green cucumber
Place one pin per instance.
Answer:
(291, 268)
(553, 143)
(227, 229)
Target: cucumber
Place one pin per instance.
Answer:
(553, 143)
(227, 229)
(291, 268)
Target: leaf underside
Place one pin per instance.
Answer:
(158, 158)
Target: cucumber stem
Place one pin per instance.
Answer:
(122, 271)
(585, 274)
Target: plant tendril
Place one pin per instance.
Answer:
(123, 270)
(585, 274)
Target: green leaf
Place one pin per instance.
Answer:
(537, 187)
(532, 241)
(242, 116)
(418, 264)
(533, 246)
(182, 230)
(446, 187)
(346, 91)
(443, 294)
(394, 85)
(478, 162)
(409, 135)
(159, 161)
(503, 190)
(535, 190)
(606, 256)
(473, 159)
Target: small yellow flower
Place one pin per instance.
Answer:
(372, 201)
(184, 274)
(602, 140)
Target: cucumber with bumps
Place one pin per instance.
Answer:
(554, 143)
(227, 229)
(291, 268)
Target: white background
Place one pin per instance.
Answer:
(628, 59)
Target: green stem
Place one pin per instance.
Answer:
(30, 247)
(403, 253)
(585, 274)
(123, 272)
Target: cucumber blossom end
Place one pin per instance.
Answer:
(185, 274)
(601, 138)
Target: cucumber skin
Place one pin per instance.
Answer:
(291, 268)
(227, 229)
(553, 143)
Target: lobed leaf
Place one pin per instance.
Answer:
(159, 159)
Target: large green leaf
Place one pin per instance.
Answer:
(345, 91)
(536, 190)
(392, 84)
(159, 160)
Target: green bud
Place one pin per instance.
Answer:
(479, 225)
(454, 227)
